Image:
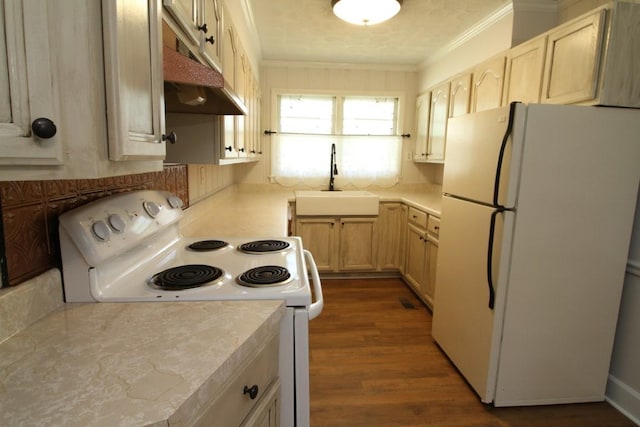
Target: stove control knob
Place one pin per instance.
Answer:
(101, 231)
(175, 202)
(152, 208)
(116, 222)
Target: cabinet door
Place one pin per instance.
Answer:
(460, 95)
(415, 270)
(28, 88)
(211, 21)
(319, 237)
(432, 262)
(523, 74)
(486, 91)
(390, 221)
(229, 50)
(438, 122)
(358, 245)
(573, 61)
(185, 12)
(423, 103)
(134, 85)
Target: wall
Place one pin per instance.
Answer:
(340, 78)
(206, 180)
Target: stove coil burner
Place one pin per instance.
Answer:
(207, 245)
(268, 275)
(263, 246)
(185, 277)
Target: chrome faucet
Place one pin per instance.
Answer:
(334, 168)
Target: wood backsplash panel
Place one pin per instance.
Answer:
(30, 211)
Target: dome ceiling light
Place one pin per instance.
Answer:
(366, 12)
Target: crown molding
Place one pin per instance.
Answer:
(339, 65)
(469, 34)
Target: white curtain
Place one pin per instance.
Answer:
(299, 159)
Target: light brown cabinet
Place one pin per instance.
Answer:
(460, 95)
(340, 244)
(422, 254)
(523, 73)
(438, 115)
(487, 82)
(257, 377)
(358, 245)
(319, 236)
(391, 224)
(423, 108)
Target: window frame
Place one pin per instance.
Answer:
(338, 112)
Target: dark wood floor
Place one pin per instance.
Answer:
(374, 363)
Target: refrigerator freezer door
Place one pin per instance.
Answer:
(473, 150)
(463, 324)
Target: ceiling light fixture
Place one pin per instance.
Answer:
(365, 12)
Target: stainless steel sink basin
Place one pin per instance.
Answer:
(336, 203)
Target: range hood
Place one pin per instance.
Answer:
(191, 87)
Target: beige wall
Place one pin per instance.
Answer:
(341, 79)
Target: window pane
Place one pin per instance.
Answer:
(369, 116)
(306, 114)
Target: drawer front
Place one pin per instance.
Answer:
(433, 225)
(234, 402)
(418, 217)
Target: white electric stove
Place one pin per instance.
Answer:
(128, 247)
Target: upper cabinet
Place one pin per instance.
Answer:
(423, 104)
(460, 95)
(523, 74)
(487, 82)
(29, 111)
(81, 89)
(439, 113)
(591, 60)
(573, 60)
(201, 22)
(134, 84)
(225, 138)
(594, 60)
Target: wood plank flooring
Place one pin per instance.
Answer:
(373, 363)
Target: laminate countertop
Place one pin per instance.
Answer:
(257, 212)
(112, 364)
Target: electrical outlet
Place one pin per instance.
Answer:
(409, 155)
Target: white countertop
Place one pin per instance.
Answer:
(110, 364)
(263, 212)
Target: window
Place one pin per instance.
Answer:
(363, 128)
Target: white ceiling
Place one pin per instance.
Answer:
(307, 30)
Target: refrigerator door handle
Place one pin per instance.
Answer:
(492, 231)
(503, 146)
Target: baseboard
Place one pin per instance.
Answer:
(624, 399)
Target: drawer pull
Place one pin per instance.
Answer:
(252, 391)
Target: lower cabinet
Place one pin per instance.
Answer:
(251, 396)
(340, 243)
(392, 222)
(422, 254)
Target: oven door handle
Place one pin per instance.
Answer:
(315, 308)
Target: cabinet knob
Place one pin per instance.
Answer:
(171, 137)
(203, 28)
(209, 39)
(251, 391)
(229, 148)
(43, 128)
(241, 150)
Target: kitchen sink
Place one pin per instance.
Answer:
(336, 203)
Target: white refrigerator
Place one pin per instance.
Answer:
(537, 214)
